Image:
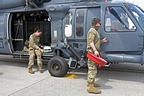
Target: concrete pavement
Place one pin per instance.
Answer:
(15, 81)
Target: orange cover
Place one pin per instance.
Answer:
(96, 59)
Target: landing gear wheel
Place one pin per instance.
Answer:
(57, 66)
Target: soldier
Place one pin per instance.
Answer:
(93, 45)
(35, 49)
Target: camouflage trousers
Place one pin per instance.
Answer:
(92, 71)
(32, 54)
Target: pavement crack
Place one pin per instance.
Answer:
(28, 86)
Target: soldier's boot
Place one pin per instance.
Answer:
(30, 70)
(40, 68)
(96, 85)
(92, 89)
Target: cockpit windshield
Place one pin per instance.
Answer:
(138, 13)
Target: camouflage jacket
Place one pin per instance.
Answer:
(33, 42)
(94, 36)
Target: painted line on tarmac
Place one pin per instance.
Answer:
(70, 76)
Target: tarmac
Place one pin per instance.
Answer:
(124, 79)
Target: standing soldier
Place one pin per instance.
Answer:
(93, 45)
(35, 49)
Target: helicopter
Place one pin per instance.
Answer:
(65, 24)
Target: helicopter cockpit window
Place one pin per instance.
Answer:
(117, 20)
(68, 25)
(79, 23)
(138, 14)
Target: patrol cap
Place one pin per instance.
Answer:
(95, 21)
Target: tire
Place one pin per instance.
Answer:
(57, 67)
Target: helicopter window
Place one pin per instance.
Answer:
(79, 23)
(69, 18)
(117, 20)
(68, 25)
(138, 13)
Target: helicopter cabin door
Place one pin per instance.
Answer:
(4, 36)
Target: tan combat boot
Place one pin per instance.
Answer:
(30, 70)
(96, 85)
(40, 68)
(92, 89)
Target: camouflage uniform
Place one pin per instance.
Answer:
(33, 49)
(94, 36)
